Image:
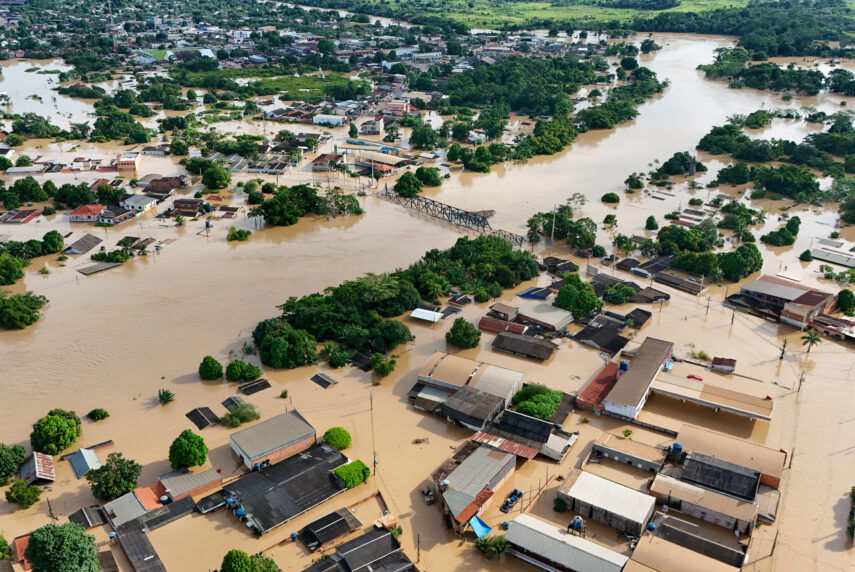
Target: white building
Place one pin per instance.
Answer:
(138, 203)
(332, 120)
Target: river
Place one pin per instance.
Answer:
(112, 339)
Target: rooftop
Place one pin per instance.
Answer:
(633, 385)
(524, 345)
(607, 495)
(713, 396)
(720, 475)
(663, 556)
(272, 434)
(666, 486)
(630, 447)
(738, 451)
(556, 545)
(329, 527)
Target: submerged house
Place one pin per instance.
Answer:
(273, 439)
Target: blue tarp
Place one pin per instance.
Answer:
(479, 527)
(669, 365)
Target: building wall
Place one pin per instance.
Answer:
(278, 455)
(537, 561)
(215, 484)
(616, 521)
(621, 457)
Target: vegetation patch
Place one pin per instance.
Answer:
(537, 401)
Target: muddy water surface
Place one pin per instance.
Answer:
(112, 339)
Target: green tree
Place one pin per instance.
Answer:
(23, 495)
(463, 334)
(178, 147)
(262, 563)
(610, 198)
(381, 365)
(811, 338)
(429, 176)
(846, 301)
(618, 294)
(287, 348)
(337, 437)
(353, 131)
(210, 369)
(55, 432)
(11, 459)
(453, 152)
(651, 223)
(408, 185)
(806, 256)
(236, 561)
(65, 547)
(98, 414)
(577, 297)
(116, 477)
(52, 242)
(188, 450)
(11, 269)
(20, 310)
(6, 163)
(239, 370)
(243, 413)
(5, 549)
(216, 177)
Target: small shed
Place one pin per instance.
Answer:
(88, 517)
(82, 461)
(426, 315)
(505, 311)
(38, 469)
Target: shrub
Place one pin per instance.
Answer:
(537, 401)
(243, 413)
(55, 432)
(627, 433)
(337, 437)
(382, 366)
(237, 234)
(97, 414)
(283, 394)
(11, 459)
(5, 549)
(353, 474)
(23, 495)
(559, 505)
(210, 369)
(492, 546)
(618, 294)
(846, 301)
(806, 256)
(188, 450)
(610, 198)
(165, 396)
(651, 223)
(463, 334)
(481, 295)
(239, 370)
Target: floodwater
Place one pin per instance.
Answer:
(112, 340)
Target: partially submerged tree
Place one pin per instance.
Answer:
(188, 450)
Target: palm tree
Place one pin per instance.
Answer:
(810, 339)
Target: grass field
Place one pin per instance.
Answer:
(157, 54)
(497, 13)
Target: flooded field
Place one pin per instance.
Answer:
(112, 340)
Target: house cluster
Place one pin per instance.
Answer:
(155, 189)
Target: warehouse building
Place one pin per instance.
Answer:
(658, 555)
(720, 475)
(551, 548)
(768, 462)
(273, 440)
(709, 506)
(630, 452)
(620, 507)
(632, 388)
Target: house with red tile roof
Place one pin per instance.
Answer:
(86, 213)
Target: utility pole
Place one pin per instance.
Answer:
(732, 317)
(418, 547)
(780, 357)
(801, 379)
(708, 306)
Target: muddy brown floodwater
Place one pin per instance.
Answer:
(111, 340)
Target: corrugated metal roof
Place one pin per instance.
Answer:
(560, 547)
(611, 497)
(183, 481)
(630, 447)
(665, 556)
(272, 434)
(427, 315)
(738, 451)
(124, 509)
(505, 445)
(633, 385)
(479, 468)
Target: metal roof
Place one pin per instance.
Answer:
(555, 545)
(776, 289)
(182, 481)
(738, 451)
(630, 447)
(545, 312)
(609, 496)
(82, 461)
(427, 315)
(633, 385)
(124, 509)
(272, 434)
(525, 345)
(477, 470)
(665, 556)
(665, 486)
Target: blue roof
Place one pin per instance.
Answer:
(83, 461)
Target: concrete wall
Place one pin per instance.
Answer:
(643, 464)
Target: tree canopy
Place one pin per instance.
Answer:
(463, 334)
(116, 477)
(64, 547)
(187, 450)
(56, 431)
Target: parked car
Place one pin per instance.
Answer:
(511, 500)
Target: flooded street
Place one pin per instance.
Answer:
(113, 339)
